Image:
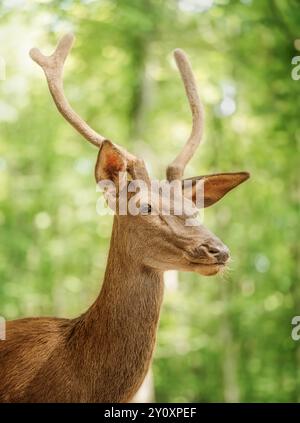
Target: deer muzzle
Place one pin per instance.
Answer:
(214, 252)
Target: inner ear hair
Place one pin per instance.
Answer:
(110, 162)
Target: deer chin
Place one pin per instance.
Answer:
(204, 269)
(208, 269)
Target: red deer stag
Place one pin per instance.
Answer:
(104, 355)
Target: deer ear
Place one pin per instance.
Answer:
(110, 162)
(207, 190)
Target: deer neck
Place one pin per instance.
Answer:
(118, 332)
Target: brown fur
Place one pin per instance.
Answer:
(102, 356)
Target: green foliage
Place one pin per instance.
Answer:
(222, 338)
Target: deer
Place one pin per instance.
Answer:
(104, 354)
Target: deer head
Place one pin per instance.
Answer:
(160, 241)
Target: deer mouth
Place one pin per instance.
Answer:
(206, 261)
(205, 267)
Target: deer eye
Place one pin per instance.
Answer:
(145, 209)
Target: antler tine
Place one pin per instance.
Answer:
(53, 69)
(176, 169)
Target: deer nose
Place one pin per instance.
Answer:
(220, 252)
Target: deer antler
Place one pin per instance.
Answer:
(53, 68)
(176, 169)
